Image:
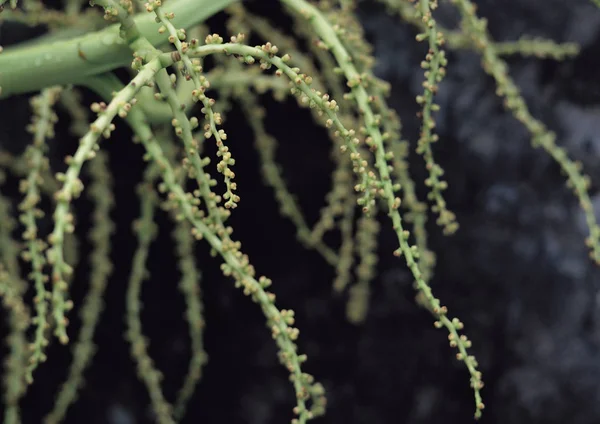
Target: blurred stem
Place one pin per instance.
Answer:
(31, 68)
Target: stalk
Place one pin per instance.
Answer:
(34, 67)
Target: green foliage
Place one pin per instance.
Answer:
(168, 105)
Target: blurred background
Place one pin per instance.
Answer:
(517, 272)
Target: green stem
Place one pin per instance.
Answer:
(28, 69)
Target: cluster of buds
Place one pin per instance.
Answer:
(238, 39)
(138, 62)
(180, 35)
(150, 6)
(111, 13)
(270, 49)
(198, 92)
(213, 39)
(125, 107)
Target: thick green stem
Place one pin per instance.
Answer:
(28, 69)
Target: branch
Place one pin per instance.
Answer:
(28, 69)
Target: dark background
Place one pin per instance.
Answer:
(517, 272)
